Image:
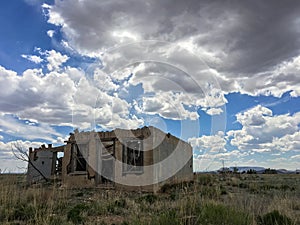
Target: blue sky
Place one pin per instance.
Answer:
(222, 75)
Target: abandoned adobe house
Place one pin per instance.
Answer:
(44, 163)
(143, 159)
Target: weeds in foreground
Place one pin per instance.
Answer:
(274, 218)
(210, 200)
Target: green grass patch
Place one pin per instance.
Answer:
(274, 218)
(216, 214)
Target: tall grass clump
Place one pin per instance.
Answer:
(216, 214)
(274, 218)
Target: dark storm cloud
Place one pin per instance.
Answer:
(247, 36)
(268, 33)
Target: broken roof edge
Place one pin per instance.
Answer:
(43, 147)
(102, 135)
(112, 134)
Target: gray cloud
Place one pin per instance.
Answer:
(247, 36)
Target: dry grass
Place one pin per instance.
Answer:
(211, 199)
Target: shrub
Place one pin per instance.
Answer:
(267, 187)
(56, 220)
(111, 208)
(97, 208)
(270, 171)
(216, 214)
(60, 206)
(116, 206)
(173, 196)
(210, 192)
(166, 188)
(103, 223)
(150, 198)
(120, 203)
(223, 190)
(166, 218)
(285, 187)
(79, 194)
(76, 213)
(274, 218)
(2, 214)
(251, 171)
(205, 179)
(23, 212)
(243, 185)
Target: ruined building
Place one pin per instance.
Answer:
(44, 163)
(143, 159)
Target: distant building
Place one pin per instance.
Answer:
(142, 159)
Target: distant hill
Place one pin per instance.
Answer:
(284, 171)
(241, 169)
(258, 169)
(246, 168)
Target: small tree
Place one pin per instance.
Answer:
(235, 170)
(251, 171)
(270, 171)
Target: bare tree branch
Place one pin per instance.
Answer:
(19, 153)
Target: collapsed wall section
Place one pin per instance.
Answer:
(44, 163)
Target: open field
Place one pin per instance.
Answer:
(233, 199)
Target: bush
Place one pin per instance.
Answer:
(210, 192)
(120, 203)
(223, 190)
(267, 187)
(23, 212)
(274, 218)
(150, 198)
(124, 223)
(166, 218)
(76, 213)
(173, 196)
(216, 214)
(243, 185)
(205, 179)
(116, 206)
(166, 188)
(285, 187)
(251, 171)
(56, 220)
(270, 171)
(169, 188)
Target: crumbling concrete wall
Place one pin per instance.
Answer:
(42, 160)
(44, 163)
(70, 176)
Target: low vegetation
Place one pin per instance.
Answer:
(226, 199)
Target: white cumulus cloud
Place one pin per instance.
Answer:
(33, 58)
(264, 132)
(50, 33)
(209, 143)
(55, 59)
